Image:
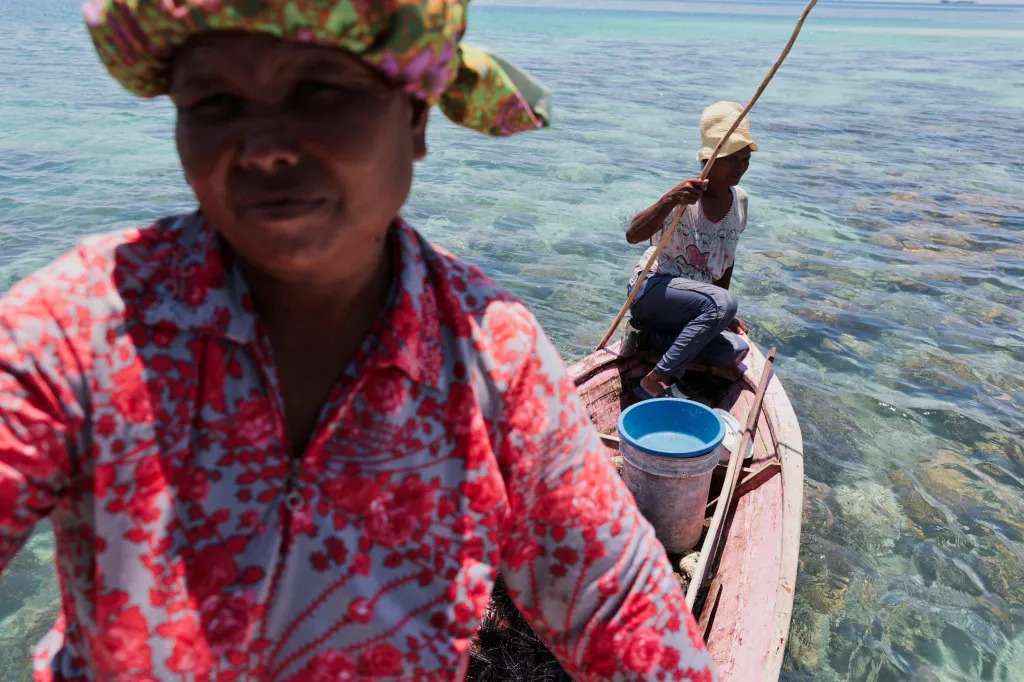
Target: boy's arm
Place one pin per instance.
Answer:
(726, 278)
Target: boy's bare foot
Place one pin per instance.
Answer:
(655, 383)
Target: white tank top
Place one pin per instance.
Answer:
(699, 249)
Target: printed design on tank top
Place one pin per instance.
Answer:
(699, 249)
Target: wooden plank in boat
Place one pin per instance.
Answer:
(753, 650)
(789, 443)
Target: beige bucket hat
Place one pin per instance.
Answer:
(715, 123)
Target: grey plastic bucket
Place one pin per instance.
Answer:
(671, 487)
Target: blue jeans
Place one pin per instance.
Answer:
(688, 322)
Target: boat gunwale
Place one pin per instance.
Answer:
(788, 439)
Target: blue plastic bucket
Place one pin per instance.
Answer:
(669, 449)
(669, 427)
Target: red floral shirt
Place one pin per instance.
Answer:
(140, 411)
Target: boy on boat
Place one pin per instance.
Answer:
(283, 437)
(684, 308)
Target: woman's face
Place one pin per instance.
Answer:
(729, 170)
(300, 155)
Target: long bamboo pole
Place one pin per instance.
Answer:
(709, 549)
(704, 173)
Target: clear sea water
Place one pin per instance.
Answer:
(884, 257)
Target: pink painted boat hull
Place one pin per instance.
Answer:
(749, 602)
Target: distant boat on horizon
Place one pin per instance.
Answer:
(958, 2)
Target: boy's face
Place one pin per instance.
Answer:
(729, 170)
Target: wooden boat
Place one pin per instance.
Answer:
(745, 612)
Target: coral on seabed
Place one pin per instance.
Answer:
(29, 605)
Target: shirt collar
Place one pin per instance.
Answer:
(190, 290)
(201, 292)
(410, 327)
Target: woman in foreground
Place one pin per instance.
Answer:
(284, 437)
(684, 308)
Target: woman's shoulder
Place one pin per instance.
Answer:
(468, 289)
(88, 289)
(476, 307)
(55, 318)
(98, 259)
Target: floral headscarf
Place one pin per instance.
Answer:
(415, 42)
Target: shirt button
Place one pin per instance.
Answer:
(294, 501)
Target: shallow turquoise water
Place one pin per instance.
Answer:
(884, 257)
